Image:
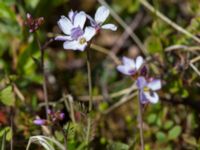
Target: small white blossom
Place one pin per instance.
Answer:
(76, 37)
(101, 15)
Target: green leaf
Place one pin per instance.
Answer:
(174, 132)
(153, 45)
(118, 146)
(7, 96)
(151, 118)
(9, 134)
(6, 12)
(168, 124)
(161, 136)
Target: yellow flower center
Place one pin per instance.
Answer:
(82, 41)
(146, 89)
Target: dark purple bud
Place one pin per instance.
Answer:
(62, 115)
(33, 24)
(143, 71)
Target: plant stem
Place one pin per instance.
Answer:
(44, 76)
(63, 133)
(140, 123)
(11, 126)
(90, 94)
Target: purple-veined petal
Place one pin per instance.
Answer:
(143, 98)
(62, 38)
(89, 33)
(79, 19)
(128, 62)
(101, 14)
(154, 84)
(109, 27)
(139, 61)
(141, 82)
(152, 97)
(124, 70)
(65, 25)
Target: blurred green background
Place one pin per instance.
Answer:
(172, 124)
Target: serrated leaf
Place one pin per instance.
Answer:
(174, 132)
(7, 96)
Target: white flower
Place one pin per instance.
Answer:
(82, 41)
(101, 15)
(147, 89)
(130, 66)
(75, 38)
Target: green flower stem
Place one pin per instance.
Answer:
(90, 95)
(44, 75)
(140, 123)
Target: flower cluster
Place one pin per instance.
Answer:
(53, 118)
(77, 36)
(33, 24)
(147, 86)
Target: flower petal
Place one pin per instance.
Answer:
(63, 38)
(71, 15)
(65, 25)
(109, 27)
(141, 82)
(124, 70)
(74, 45)
(152, 97)
(143, 98)
(92, 21)
(128, 62)
(154, 85)
(79, 19)
(139, 62)
(39, 122)
(101, 14)
(89, 33)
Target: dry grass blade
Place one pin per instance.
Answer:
(45, 142)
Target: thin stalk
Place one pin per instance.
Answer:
(11, 126)
(44, 76)
(140, 123)
(90, 95)
(63, 133)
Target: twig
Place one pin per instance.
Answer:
(184, 47)
(107, 52)
(125, 26)
(195, 59)
(134, 24)
(123, 100)
(168, 21)
(113, 95)
(140, 123)
(195, 68)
